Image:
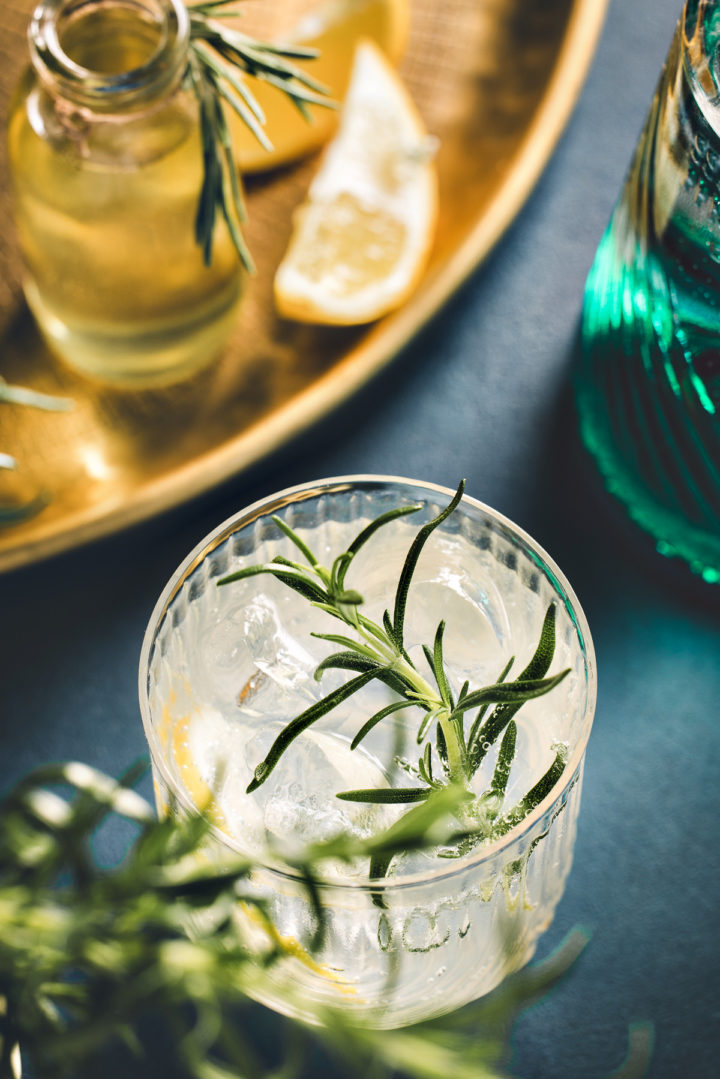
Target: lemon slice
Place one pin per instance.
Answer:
(362, 238)
(334, 28)
(200, 794)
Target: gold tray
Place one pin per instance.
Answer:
(494, 79)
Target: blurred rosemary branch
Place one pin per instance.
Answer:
(22, 395)
(87, 953)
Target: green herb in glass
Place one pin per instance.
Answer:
(455, 732)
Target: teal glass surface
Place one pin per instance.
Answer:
(648, 384)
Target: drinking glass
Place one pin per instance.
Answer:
(648, 385)
(223, 669)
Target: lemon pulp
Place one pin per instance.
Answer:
(362, 238)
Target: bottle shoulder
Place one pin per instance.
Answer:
(42, 124)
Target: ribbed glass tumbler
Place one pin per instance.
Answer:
(224, 669)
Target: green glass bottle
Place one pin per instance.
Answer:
(648, 384)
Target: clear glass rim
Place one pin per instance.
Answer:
(98, 91)
(271, 504)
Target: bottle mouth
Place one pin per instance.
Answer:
(109, 55)
(701, 47)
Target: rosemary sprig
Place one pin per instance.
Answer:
(88, 954)
(220, 59)
(374, 652)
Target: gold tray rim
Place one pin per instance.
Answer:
(349, 375)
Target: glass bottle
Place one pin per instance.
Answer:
(648, 387)
(106, 162)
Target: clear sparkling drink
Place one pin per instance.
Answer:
(224, 669)
(648, 387)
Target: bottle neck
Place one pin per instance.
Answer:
(110, 56)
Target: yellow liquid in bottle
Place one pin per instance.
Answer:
(105, 211)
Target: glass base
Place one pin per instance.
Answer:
(143, 355)
(674, 536)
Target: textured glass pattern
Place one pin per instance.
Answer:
(448, 929)
(648, 388)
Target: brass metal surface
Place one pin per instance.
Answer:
(495, 80)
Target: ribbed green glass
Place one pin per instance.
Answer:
(648, 385)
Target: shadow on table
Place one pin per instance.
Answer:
(588, 530)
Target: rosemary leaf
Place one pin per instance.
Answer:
(264, 61)
(425, 722)
(438, 668)
(538, 666)
(339, 568)
(247, 106)
(297, 540)
(411, 561)
(506, 755)
(301, 584)
(368, 532)
(426, 764)
(385, 795)
(442, 748)
(533, 797)
(303, 721)
(472, 737)
(281, 560)
(388, 710)
(348, 597)
(346, 661)
(379, 866)
(511, 692)
(345, 642)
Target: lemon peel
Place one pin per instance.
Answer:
(334, 29)
(200, 793)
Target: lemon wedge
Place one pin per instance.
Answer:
(362, 237)
(201, 795)
(334, 28)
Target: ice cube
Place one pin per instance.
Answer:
(251, 660)
(450, 583)
(300, 799)
(477, 631)
(276, 652)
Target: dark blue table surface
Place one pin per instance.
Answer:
(484, 393)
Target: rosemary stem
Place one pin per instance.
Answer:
(455, 758)
(386, 652)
